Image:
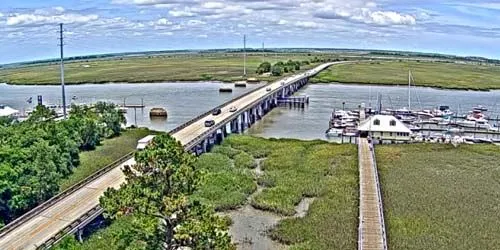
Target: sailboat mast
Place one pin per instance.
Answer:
(409, 89)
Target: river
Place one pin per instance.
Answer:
(183, 101)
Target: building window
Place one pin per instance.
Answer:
(390, 134)
(381, 133)
(392, 123)
(376, 122)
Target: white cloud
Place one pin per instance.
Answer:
(202, 36)
(34, 19)
(163, 21)
(180, 13)
(367, 16)
(167, 33)
(213, 5)
(308, 24)
(282, 22)
(59, 9)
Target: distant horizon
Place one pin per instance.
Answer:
(255, 49)
(30, 28)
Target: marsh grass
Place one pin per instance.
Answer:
(441, 197)
(225, 186)
(427, 74)
(296, 169)
(180, 67)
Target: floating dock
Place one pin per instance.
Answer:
(294, 101)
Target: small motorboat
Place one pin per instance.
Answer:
(334, 132)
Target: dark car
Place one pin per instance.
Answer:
(268, 89)
(216, 112)
(209, 123)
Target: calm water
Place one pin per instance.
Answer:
(183, 101)
(312, 122)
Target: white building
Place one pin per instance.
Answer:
(6, 111)
(384, 128)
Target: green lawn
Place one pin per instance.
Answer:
(296, 169)
(183, 67)
(441, 197)
(110, 151)
(429, 74)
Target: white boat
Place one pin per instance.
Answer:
(480, 108)
(483, 124)
(454, 130)
(334, 132)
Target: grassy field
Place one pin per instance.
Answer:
(108, 152)
(441, 197)
(186, 67)
(429, 74)
(294, 170)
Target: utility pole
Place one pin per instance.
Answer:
(244, 55)
(61, 44)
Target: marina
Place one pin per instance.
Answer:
(313, 121)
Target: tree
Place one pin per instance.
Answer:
(276, 70)
(157, 187)
(264, 68)
(41, 113)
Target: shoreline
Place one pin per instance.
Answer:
(262, 81)
(403, 85)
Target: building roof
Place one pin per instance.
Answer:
(383, 123)
(7, 111)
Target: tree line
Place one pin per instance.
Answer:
(280, 67)
(36, 154)
(155, 209)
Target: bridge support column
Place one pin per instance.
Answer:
(79, 233)
(204, 145)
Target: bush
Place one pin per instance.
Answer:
(227, 151)
(244, 160)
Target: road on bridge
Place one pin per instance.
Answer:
(50, 221)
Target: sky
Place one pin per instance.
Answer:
(29, 28)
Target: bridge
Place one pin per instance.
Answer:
(70, 211)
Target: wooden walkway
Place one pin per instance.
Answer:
(371, 231)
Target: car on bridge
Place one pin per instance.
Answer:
(216, 112)
(209, 123)
(233, 109)
(268, 89)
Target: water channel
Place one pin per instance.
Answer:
(183, 101)
(188, 99)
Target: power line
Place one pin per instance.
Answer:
(61, 44)
(244, 55)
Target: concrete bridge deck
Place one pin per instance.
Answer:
(48, 223)
(371, 230)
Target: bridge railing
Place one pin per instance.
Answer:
(213, 129)
(40, 208)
